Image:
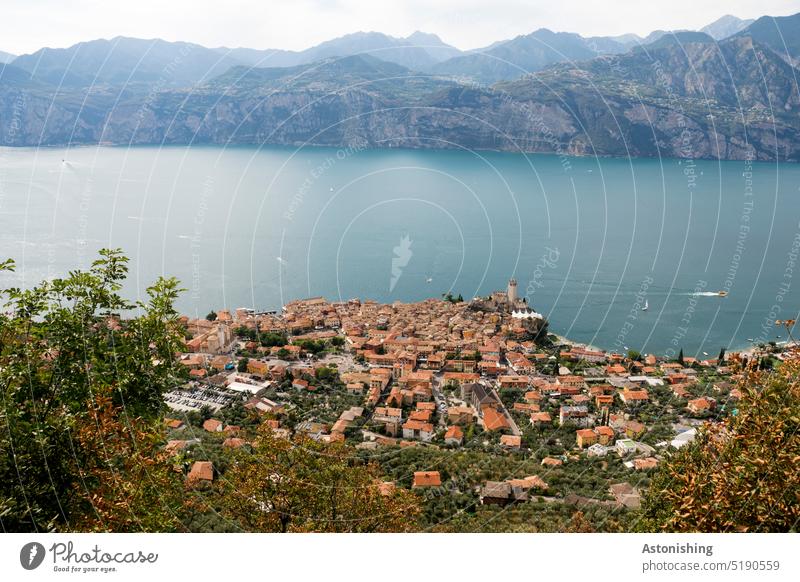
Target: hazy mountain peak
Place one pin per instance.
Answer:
(433, 45)
(415, 54)
(629, 38)
(525, 53)
(678, 37)
(546, 32)
(418, 36)
(726, 26)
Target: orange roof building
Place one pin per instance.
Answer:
(201, 471)
(511, 441)
(494, 420)
(454, 435)
(213, 425)
(426, 479)
(585, 437)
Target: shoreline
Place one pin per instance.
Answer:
(311, 146)
(745, 349)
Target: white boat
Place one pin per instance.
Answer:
(646, 306)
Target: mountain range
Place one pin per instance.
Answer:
(729, 91)
(526, 54)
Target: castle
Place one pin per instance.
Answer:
(508, 303)
(508, 300)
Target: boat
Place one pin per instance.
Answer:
(722, 293)
(646, 306)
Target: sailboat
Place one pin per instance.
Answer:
(646, 306)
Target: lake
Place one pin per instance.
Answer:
(590, 241)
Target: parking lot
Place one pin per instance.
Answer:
(194, 397)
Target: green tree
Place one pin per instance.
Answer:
(245, 333)
(313, 346)
(556, 362)
(241, 365)
(304, 485)
(450, 298)
(212, 315)
(68, 357)
(680, 358)
(325, 373)
(721, 356)
(271, 339)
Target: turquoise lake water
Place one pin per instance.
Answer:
(589, 240)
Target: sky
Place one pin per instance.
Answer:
(27, 25)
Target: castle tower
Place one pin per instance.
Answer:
(512, 291)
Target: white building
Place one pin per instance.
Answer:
(625, 447)
(597, 450)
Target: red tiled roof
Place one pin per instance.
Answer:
(454, 432)
(493, 420)
(427, 479)
(510, 440)
(212, 425)
(201, 471)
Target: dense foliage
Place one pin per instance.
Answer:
(741, 474)
(81, 387)
(303, 485)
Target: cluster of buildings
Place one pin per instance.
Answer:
(442, 372)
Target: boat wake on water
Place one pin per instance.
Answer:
(708, 294)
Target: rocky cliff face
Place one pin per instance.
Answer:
(700, 100)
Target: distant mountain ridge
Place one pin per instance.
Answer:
(131, 60)
(525, 54)
(154, 61)
(675, 94)
(123, 60)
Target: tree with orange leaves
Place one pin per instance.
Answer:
(740, 474)
(128, 482)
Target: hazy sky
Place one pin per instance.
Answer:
(27, 25)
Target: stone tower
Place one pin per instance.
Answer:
(512, 291)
